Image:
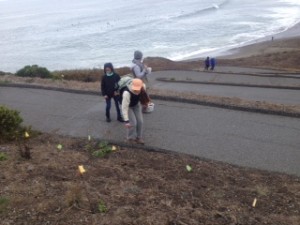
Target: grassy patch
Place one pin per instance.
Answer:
(3, 156)
(102, 207)
(4, 201)
(103, 151)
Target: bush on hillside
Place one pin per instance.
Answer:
(34, 71)
(10, 124)
(85, 75)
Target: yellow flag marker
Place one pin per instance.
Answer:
(59, 147)
(188, 168)
(27, 135)
(254, 203)
(89, 137)
(114, 148)
(81, 169)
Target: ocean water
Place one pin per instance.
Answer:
(74, 34)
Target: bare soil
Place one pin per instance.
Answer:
(134, 186)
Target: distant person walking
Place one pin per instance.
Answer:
(212, 63)
(109, 87)
(206, 63)
(132, 111)
(139, 69)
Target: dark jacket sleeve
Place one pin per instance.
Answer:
(118, 78)
(103, 86)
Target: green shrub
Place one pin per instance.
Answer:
(10, 124)
(34, 71)
(3, 156)
(104, 150)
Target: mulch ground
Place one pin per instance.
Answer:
(134, 186)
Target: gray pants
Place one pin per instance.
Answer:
(136, 120)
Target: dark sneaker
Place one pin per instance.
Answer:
(130, 141)
(120, 119)
(139, 141)
(108, 120)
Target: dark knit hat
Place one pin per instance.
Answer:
(138, 55)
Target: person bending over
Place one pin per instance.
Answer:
(132, 111)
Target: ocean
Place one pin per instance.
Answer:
(77, 34)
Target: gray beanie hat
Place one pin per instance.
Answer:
(138, 55)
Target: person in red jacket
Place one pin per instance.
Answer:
(109, 87)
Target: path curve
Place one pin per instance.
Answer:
(279, 96)
(242, 138)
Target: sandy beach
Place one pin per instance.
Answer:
(285, 41)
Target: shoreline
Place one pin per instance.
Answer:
(252, 47)
(256, 47)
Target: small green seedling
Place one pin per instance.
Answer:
(102, 207)
(3, 156)
(3, 203)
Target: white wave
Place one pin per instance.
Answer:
(293, 2)
(157, 45)
(186, 55)
(216, 6)
(197, 12)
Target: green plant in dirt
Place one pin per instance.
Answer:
(102, 207)
(11, 129)
(34, 71)
(10, 124)
(3, 156)
(104, 150)
(3, 203)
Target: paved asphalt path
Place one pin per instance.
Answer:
(281, 96)
(242, 138)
